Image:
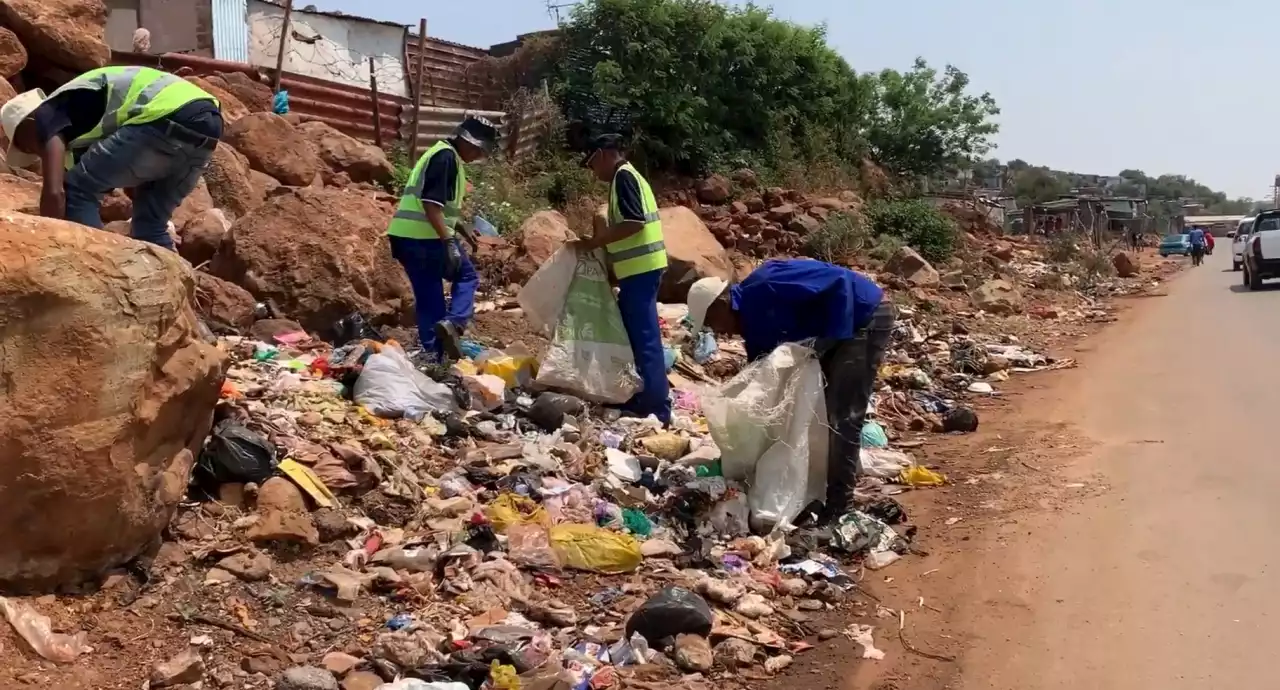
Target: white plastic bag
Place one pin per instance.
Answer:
(543, 297)
(391, 387)
(770, 422)
(883, 462)
(590, 355)
(36, 629)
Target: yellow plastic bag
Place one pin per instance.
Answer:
(514, 371)
(916, 475)
(511, 509)
(594, 549)
(502, 677)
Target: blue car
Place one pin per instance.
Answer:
(1179, 245)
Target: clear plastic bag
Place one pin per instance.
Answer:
(390, 386)
(37, 631)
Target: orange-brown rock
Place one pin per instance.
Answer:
(275, 147)
(13, 55)
(229, 182)
(67, 33)
(344, 154)
(317, 255)
(224, 306)
(109, 395)
(202, 235)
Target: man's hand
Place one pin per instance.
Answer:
(583, 245)
(53, 202)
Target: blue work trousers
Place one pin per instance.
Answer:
(424, 264)
(638, 302)
(161, 170)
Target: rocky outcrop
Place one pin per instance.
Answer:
(253, 94)
(692, 253)
(997, 297)
(231, 107)
(275, 147)
(67, 33)
(229, 183)
(316, 255)
(202, 235)
(108, 395)
(541, 236)
(1126, 266)
(18, 194)
(13, 55)
(907, 263)
(343, 154)
(224, 306)
(196, 203)
(714, 190)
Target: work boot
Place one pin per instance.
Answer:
(450, 337)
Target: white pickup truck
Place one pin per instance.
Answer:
(1262, 250)
(1238, 238)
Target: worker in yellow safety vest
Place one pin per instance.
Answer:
(633, 244)
(115, 128)
(424, 239)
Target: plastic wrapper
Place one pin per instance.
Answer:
(390, 386)
(35, 629)
(917, 475)
(510, 509)
(770, 423)
(530, 545)
(590, 354)
(883, 463)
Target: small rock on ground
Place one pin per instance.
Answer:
(307, 678)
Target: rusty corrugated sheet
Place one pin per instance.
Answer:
(345, 108)
(445, 79)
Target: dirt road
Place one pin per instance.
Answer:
(1157, 574)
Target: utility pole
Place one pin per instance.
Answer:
(284, 44)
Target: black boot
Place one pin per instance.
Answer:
(450, 337)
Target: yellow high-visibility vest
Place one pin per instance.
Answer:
(135, 96)
(644, 251)
(410, 219)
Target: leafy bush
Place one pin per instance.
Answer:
(917, 223)
(886, 246)
(1091, 266)
(1063, 247)
(840, 237)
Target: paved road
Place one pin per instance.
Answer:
(1165, 578)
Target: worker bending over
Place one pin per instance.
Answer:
(843, 312)
(633, 246)
(116, 128)
(424, 238)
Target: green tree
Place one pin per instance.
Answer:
(923, 123)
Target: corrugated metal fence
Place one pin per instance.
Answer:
(230, 30)
(350, 110)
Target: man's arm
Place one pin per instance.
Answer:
(631, 208)
(53, 195)
(439, 185)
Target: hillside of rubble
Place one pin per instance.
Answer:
(232, 468)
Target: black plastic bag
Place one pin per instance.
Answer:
(234, 454)
(672, 611)
(353, 328)
(549, 410)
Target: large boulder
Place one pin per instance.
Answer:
(196, 203)
(252, 93)
(997, 297)
(541, 236)
(317, 255)
(200, 238)
(692, 253)
(907, 263)
(13, 55)
(1126, 266)
(109, 393)
(229, 105)
(229, 183)
(360, 161)
(67, 33)
(224, 306)
(714, 190)
(18, 194)
(275, 147)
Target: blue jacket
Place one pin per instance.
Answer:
(1197, 237)
(792, 300)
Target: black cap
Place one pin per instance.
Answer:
(478, 132)
(604, 142)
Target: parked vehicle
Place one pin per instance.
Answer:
(1175, 245)
(1238, 237)
(1262, 250)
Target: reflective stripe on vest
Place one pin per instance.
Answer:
(645, 250)
(134, 96)
(410, 219)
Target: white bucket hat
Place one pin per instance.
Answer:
(701, 295)
(11, 115)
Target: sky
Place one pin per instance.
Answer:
(1091, 86)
